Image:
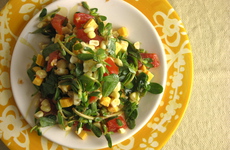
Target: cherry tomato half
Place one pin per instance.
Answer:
(153, 56)
(84, 37)
(80, 19)
(57, 22)
(112, 67)
(114, 126)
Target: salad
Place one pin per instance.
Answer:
(90, 77)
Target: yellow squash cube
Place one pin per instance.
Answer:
(82, 135)
(123, 31)
(91, 23)
(105, 101)
(66, 102)
(40, 60)
(37, 81)
(150, 75)
(118, 48)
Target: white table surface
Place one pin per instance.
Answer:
(206, 124)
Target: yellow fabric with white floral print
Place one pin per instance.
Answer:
(14, 130)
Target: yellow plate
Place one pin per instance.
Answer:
(14, 130)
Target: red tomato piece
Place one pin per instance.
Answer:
(80, 19)
(114, 126)
(112, 67)
(92, 99)
(153, 56)
(84, 37)
(54, 56)
(57, 22)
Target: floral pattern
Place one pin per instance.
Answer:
(15, 132)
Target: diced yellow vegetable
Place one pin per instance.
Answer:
(35, 69)
(143, 68)
(37, 81)
(118, 48)
(58, 37)
(113, 109)
(91, 34)
(105, 101)
(115, 102)
(82, 134)
(66, 102)
(150, 75)
(40, 60)
(123, 31)
(134, 97)
(124, 45)
(91, 23)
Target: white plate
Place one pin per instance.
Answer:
(119, 13)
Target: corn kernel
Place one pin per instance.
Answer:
(45, 102)
(41, 74)
(39, 114)
(118, 87)
(97, 124)
(121, 130)
(66, 30)
(134, 97)
(89, 29)
(105, 101)
(64, 88)
(115, 94)
(62, 64)
(103, 45)
(61, 71)
(74, 59)
(137, 45)
(45, 108)
(86, 45)
(118, 62)
(123, 31)
(115, 102)
(76, 99)
(91, 34)
(41, 24)
(94, 42)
